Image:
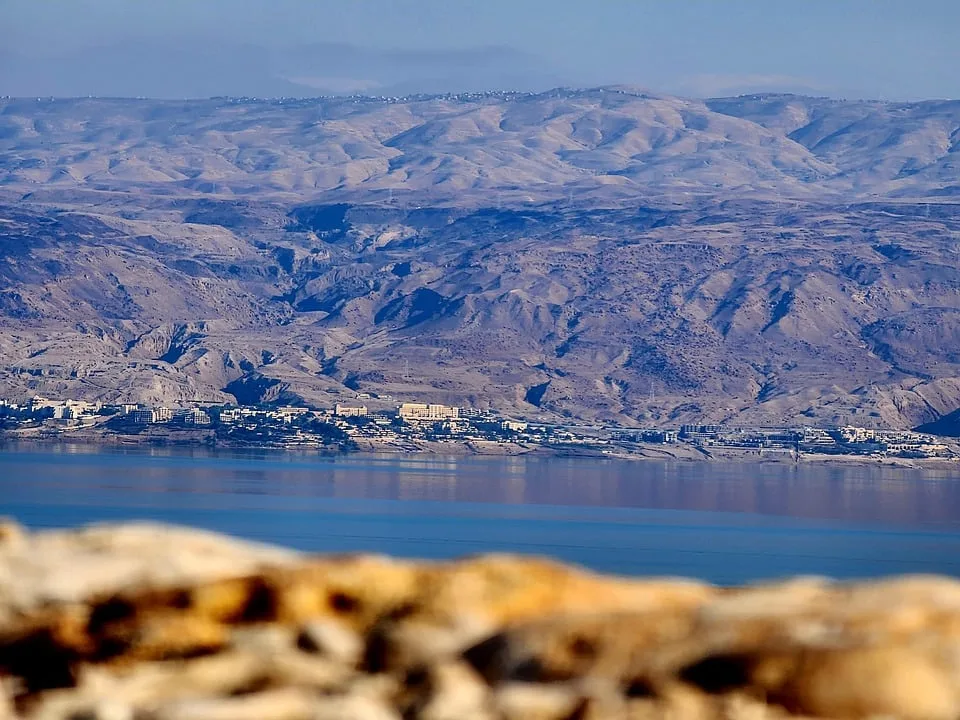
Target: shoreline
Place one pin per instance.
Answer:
(681, 453)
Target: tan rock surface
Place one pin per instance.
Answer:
(156, 623)
(60, 567)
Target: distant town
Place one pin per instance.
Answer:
(425, 427)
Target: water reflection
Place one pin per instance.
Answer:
(879, 494)
(725, 523)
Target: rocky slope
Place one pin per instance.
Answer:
(602, 254)
(606, 142)
(152, 622)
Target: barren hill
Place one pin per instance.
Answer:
(599, 254)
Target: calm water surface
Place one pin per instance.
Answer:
(725, 523)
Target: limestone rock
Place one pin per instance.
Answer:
(281, 704)
(71, 566)
(157, 623)
(331, 640)
(458, 603)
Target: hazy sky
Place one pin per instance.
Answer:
(851, 48)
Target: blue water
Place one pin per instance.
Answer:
(725, 523)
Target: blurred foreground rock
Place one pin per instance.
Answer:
(152, 623)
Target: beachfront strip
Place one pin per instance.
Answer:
(354, 425)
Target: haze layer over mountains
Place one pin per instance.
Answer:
(598, 254)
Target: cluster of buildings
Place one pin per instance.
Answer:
(411, 421)
(901, 442)
(289, 426)
(845, 440)
(65, 412)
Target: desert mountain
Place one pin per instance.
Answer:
(598, 254)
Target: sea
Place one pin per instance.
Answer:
(726, 523)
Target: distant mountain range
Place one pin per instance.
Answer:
(612, 143)
(607, 253)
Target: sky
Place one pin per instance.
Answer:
(886, 49)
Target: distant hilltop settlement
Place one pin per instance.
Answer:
(423, 427)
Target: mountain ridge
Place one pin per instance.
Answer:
(608, 253)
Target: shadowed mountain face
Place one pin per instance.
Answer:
(598, 254)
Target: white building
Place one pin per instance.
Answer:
(288, 414)
(420, 412)
(232, 415)
(64, 409)
(350, 410)
(151, 416)
(195, 416)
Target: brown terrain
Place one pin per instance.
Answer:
(601, 255)
(159, 623)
